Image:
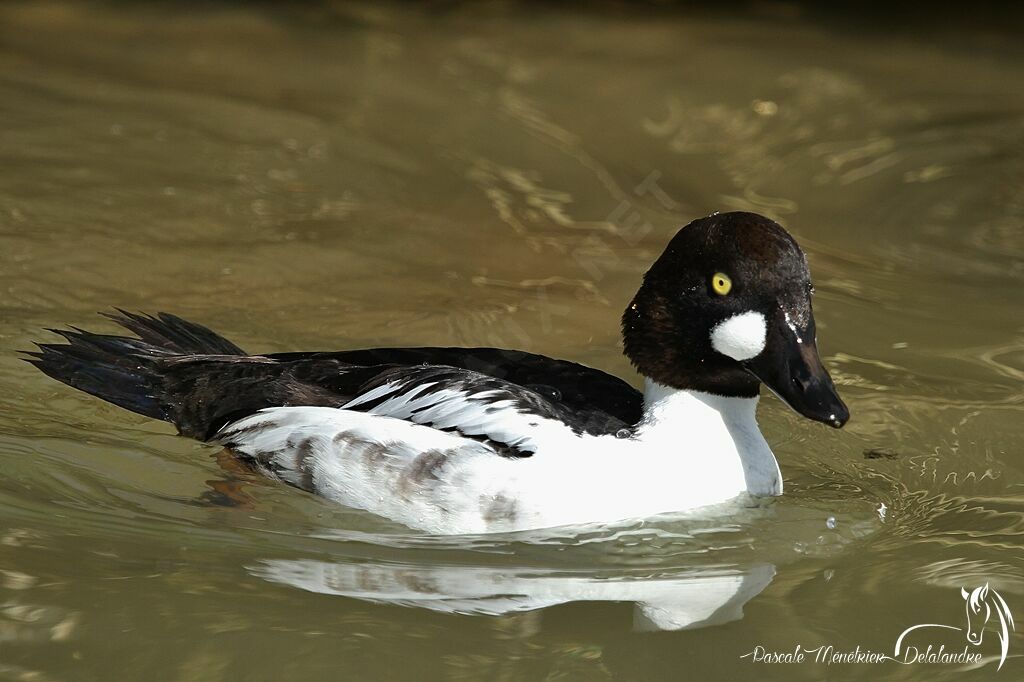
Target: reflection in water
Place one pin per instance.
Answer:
(682, 601)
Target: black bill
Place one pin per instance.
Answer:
(789, 366)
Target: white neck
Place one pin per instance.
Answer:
(718, 434)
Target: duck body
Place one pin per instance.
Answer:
(473, 440)
(691, 450)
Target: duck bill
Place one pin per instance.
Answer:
(791, 368)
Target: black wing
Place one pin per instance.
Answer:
(184, 373)
(576, 386)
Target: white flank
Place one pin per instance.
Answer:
(740, 337)
(692, 450)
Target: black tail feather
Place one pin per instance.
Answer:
(174, 334)
(118, 377)
(126, 371)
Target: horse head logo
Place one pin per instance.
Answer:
(981, 603)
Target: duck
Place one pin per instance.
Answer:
(451, 440)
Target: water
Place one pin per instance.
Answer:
(337, 176)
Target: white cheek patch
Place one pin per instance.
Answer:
(741, 337)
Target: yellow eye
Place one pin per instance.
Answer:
(721, 283)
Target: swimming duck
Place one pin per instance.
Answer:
(474, 440)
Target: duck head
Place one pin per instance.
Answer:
(726, 308)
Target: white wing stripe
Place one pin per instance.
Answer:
(476, 414)
(390, 387)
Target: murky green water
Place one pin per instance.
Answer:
(343, 176)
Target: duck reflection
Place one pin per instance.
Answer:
(680, 601)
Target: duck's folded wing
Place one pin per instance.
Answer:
(207, 392)
(568, 383)
(186, 374)
(516, 420)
